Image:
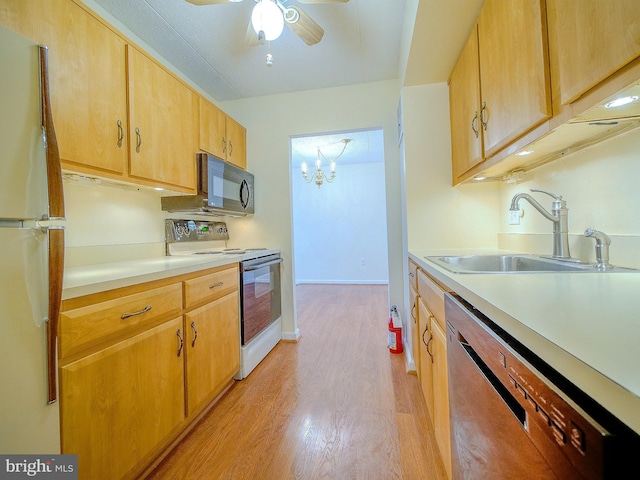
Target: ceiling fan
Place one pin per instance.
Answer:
(269, 17)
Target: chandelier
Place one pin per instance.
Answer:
(319, 176)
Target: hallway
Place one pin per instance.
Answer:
(334, 405)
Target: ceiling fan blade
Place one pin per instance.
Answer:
(305, 28)
(209, 2)
(320, 1)
(251, 37)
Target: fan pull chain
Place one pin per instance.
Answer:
(269, 57)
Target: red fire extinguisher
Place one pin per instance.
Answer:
(395, 331)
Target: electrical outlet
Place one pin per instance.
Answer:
(514, 217)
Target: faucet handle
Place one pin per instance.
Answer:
(554, 195)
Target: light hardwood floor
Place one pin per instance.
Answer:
(335, 405)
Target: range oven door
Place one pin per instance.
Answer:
(260, 297)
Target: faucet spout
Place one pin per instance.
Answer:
(558, 215)
(516, 200)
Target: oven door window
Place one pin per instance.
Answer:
(260, 300)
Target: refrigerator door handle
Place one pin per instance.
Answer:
(54, 169)
(56, 267)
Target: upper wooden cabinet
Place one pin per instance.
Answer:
(465, 109)
(500, 86)
(162, 128)
(514, 70)
(592, 40)
(87, 77)
(222, 136)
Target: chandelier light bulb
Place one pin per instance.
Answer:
(267, 17)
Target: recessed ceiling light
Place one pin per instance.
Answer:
(524, 153)
(619, 102)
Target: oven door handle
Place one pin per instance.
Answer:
(250, 268)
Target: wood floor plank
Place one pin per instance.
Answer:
(335, 405)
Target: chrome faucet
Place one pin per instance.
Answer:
(602, 248)
(558, 215)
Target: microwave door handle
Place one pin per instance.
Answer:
(244, 187)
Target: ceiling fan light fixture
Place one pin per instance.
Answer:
(267, 17)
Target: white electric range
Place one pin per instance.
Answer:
(260, 295)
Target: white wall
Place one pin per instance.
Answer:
(270, 122)
(340, 229)
(600, 186)
(439, 216)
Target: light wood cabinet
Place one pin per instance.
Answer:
(592, 40)
(426, 357)
(415, 327)
(162, 124)
(213, 346)
(119, 403)
(514, 83)
(465, 110)
(221, 136)
(213, 350)
(88, 91)
(87, 81)
(135, 361)
(433, 358)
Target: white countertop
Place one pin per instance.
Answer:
(90, 279)
(585, 325)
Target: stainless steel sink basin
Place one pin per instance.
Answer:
(512, 264)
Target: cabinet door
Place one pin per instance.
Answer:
(464, 101)
(514, 70)
(162, 125)
(213, 350)
(87, 77)
(237, 141)
(415, 328)
(88, 91)
(118, 404)
(592, 40)
(441, 422)
(426, 355)
(212, 129)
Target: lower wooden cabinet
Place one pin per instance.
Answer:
(138, 364)
(434, 377)
(119, 403)
(213, 350)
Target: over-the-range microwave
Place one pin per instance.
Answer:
(223, 189)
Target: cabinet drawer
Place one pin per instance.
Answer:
(433, 295)
(209, 287)
(103, 321)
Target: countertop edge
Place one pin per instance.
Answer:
(618, 400)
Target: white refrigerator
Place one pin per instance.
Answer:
(31, 251)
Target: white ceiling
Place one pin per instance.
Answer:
(366, 146)
(362, 43)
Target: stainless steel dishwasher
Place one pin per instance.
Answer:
(512, 416)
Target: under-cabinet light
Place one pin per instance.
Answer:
(524, 153)
(619, 102)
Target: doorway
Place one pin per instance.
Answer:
(339, 224)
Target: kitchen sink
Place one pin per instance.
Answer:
(516, 263)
